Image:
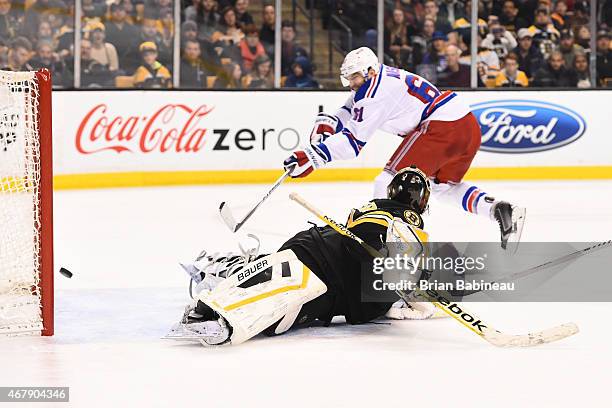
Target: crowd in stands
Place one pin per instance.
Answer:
(521, 43)
(130, 43)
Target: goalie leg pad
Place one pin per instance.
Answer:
(265, 291)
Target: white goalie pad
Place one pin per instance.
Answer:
(262, 293)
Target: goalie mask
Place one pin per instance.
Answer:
(410, 186)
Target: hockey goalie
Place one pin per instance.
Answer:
(316, 275)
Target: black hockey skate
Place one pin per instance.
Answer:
(511, 220)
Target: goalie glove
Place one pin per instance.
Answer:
(302, 162)
(417, 310)
(325, 125)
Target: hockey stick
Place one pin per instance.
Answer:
(554, 262)
(227, 215)
(454, 310)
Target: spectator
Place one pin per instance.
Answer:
(301, 75)
(193, 72)
(134, 10)
(559, 17)
(423, 39)
(581, 77)
(545, 35)
(208, 55)
(151, 74)
(604, 58)
(567, 48)
(397, 38)
(581, 13)
(509, 18)
(499, 40)
(553, 74)
(124, 37)
(149, 33)
(487, 62)
(583, 38)
(46, 57)
(101, 51)
(261, 77)
(229, 35)
(204, 14)
(266, 33)
(65, 38)
(437, 53)
(243, 16)
(10, 24)
(93, 10)
(18, 55)
(530, 58)
(290, 50)
(511, 76)
(39, 8)
(431, 11)
(452, 10)
(45, 32)
(165, 26)
(455, 74)
(93, 74)
(230, 77)
(250, 47)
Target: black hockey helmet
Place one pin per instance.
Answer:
(410, 186)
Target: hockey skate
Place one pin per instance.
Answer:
(205, 327)
(511, 220)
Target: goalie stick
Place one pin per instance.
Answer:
(228, 217)
(548, 264)
(453, 309)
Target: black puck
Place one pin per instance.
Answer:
(66, 272)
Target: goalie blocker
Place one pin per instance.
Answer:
(315, 275)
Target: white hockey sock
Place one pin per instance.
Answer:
(469, 197)
(380, 184)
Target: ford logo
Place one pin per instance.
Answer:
(526, 126)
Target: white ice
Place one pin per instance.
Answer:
(123, 247)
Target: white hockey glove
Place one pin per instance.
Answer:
(304, 161)
(417, 310)
(325, 125)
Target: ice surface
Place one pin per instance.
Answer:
(123, 247)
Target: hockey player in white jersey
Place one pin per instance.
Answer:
(441, 136)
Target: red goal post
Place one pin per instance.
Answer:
(26, 204)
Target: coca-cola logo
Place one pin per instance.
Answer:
(526, 126)
(171, 128)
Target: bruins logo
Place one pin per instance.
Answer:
(412, 218)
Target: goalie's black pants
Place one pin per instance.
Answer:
(337, 261)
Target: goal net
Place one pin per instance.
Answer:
(26, 265)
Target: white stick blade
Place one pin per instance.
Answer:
(227, 216)
(532, 339)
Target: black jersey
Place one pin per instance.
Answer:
(338, 260)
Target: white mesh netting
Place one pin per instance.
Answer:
(20, 306)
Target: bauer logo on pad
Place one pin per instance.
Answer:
(526, 126)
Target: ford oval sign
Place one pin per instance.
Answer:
(526, 126)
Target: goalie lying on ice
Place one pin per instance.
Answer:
(315, 275)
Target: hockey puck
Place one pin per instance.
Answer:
(66, 272)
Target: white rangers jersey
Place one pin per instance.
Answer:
(394, 101)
